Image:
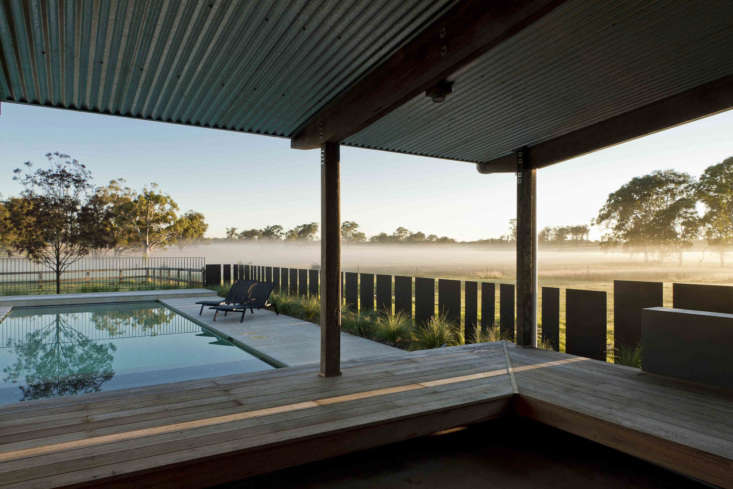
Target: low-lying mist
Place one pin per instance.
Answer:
(556, 265)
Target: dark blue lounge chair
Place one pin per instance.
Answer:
(258, 297)
(234, 293)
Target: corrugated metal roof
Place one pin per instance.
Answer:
(267, 66)
(254, 66)
(583, 63)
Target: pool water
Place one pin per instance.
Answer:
(67, 350)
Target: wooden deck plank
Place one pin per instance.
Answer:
(684, 427)
(210, 431)
(307, 388)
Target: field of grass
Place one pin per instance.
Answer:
(79, 287)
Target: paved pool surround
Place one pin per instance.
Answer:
(280, 340)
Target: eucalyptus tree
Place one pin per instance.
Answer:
(714, 190)
(54, 222)
(652, 211)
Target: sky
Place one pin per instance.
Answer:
(249, 181)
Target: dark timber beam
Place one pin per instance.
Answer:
(459, 36)
(701, 101)
(330, 261)
(526, 250)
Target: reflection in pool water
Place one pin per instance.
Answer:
(59, 351)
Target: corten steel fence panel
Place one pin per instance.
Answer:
(506, 311)
(227, 268)
(585, 327)
(102, 273)
(276, 278)
(403, 295)
(302, 282)
(213, 275)
(313, 276)
(424, 299)
(351, 290)
(488, 306)
(449, 300)
(629, 299)
(366, 291)
(285, 281)
(293, 281)
(470, 305)
(551, 316)
(384, 294)
(710, 298)
(268, 274)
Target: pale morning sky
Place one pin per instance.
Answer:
(250, 181)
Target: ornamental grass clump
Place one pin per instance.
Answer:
(394, 329)
(629, 356)
(437, 332)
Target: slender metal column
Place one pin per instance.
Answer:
(526, 251)
(330, 261)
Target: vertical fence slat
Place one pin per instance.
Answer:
(276, 278)
(285, 281)
(585, 323)
(710, 298)
(424, 299)
(313, 286)
(449, 300)
(629, 299)
(506, 311)
(351, 290)
(213, 275)
(551, 316)
(384, 294)
(293, 281)
(268, 274)
(403, 295)
(366, 291)
(227, 267)
(302, 282)
(470, 307)
(488, 305)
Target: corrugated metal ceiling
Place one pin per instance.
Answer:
(583, 63)
(267, 66)
(254, 66)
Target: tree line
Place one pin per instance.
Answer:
(60, 216)
(349, 233)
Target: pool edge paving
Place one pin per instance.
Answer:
(286, 340)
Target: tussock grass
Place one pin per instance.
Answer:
(437, 332)
(394, 329)
(630, 357)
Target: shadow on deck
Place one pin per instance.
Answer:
(202, 433)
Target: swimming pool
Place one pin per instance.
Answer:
(68, 350)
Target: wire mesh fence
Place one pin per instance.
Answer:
(102, 274)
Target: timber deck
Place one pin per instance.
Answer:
(205, 432)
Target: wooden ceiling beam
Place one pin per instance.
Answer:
(454, 40)
(698, 102)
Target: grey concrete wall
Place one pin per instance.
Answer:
(691, 345)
